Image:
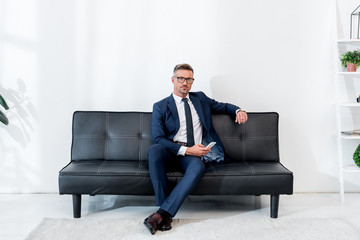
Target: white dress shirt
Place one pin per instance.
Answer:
(181, 134)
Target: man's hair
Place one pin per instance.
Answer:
(183, 66)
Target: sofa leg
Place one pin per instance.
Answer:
(274, 206)
(76, 205)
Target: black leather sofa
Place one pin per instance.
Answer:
(109, 156)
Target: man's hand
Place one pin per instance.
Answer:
(241, 117)
(197, 150)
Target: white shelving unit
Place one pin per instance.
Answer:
(346, 165)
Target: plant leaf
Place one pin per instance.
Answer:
(350, 57)
(3, 118)
(3, 103)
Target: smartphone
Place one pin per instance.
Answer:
(210, 145)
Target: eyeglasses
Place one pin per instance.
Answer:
(182, 79)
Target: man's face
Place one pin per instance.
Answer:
(182, 89)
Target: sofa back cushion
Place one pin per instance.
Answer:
(111, 135)
(127, 136)
(256, 140)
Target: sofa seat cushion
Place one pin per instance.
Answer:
(132, 178)
(253, 178)
(105, 177)
(247, 168)
(100, 167)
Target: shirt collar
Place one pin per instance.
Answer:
(179, 99)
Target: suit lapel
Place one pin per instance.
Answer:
(173, 109)
(197, 104)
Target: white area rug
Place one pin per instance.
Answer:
(225, 228)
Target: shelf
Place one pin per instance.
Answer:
(349, 104)
(348, 73)
(347, 168)
(353, 168)
(342, 74)
(347, 136)
(343, 136)
(348, 41)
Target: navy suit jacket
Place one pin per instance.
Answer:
(165, 118)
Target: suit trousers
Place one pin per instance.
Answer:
(160, 162)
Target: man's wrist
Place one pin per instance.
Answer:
(182, 151)
(240, 109)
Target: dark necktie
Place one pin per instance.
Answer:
(189, 124)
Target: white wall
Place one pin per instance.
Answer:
(64, 55)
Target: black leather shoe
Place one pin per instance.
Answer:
(153, 222)
(165, 225)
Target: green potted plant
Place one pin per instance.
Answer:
(356, 156)
(3, 117)
(350, 60)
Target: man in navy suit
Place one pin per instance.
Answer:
(181, 124)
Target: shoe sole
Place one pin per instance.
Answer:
(165, 229)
